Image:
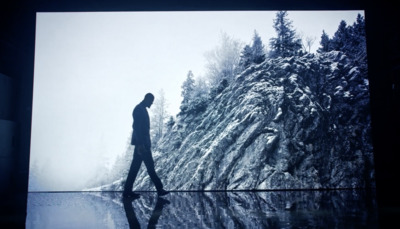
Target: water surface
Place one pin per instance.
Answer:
(269, 209)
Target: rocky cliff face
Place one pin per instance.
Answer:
(288, 123)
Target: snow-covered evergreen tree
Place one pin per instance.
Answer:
(195, 94)
(325, 43)
(254, 54)
(358, 50)
(200, 95)
(350, 40)
(286, 43)
(187, 91)
(246, 57)
(201, 88)
(341, 37)
(171, 122)
(258, 53)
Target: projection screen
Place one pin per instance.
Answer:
(295, 118)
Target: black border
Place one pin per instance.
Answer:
(17, 39)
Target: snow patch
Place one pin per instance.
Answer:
(278, 114)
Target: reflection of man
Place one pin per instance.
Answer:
(142, 142)
(157, 211)
(131, 216)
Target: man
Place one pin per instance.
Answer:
(142, 142)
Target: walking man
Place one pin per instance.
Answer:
(142, 142)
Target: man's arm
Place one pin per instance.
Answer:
(141, 126)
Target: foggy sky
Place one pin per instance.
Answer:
(91, 69)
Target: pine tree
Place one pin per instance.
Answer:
(358, 50)
(341, 37)
(286, 43)
(358, 39)
(246, 57)
(351, 40)
(170, 122)
(200, 95)
(325, 43)
(258, 55)
(201, 88)
(359, 26)
(187, 91)
(253, 54)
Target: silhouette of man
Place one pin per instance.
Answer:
(157, 211)
(142, 152)
(131, 216)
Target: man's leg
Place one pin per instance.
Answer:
(149, 162)
(134, 169)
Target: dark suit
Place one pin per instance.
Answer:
(142, 142)
(141, 126)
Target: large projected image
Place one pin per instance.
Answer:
(244, 100)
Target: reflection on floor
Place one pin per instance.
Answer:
(269, 209)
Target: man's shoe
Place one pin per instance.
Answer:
(130, 195)
(162, 192)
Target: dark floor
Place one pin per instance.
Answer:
(269, 209)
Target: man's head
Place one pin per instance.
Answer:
(148, 100)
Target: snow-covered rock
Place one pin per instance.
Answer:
(288, 123)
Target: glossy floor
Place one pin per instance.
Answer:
(270, 209)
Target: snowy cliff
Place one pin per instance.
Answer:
(287, 123)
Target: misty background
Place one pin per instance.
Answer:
(91, 69)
